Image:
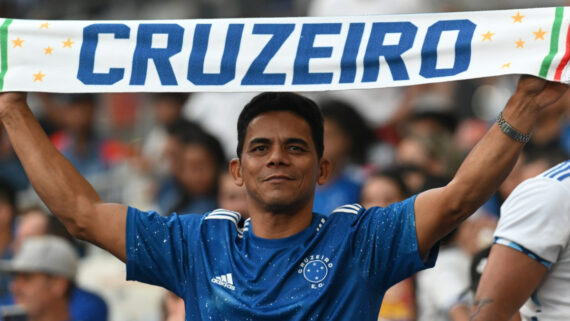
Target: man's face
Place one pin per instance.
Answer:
(279, 164)
(36, 292)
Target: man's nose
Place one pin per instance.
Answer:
(278, 156)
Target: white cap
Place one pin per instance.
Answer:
(45, 254)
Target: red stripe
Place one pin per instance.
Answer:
(565, 59)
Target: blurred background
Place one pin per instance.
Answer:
(169, 152)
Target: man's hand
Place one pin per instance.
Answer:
(532, 96)
(544, 92)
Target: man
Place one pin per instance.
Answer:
(35, 222)
(43, 271)
(285, 262)
(529, 264)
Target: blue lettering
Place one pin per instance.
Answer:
(392, 53)
(227, 73)
(85, 73)
(255, 74)
(462, 48)
(306, 51)
(161, 56)
(348, 61)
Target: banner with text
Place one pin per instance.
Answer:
(277, 54)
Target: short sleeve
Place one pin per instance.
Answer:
(387, 245)
(536, 216)
(157, 248)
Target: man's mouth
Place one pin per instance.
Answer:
(278, 178)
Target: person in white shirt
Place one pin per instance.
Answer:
(529, 264)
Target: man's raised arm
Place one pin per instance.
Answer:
(60, 186)
(440, 210)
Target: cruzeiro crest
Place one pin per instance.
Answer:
(315, 269)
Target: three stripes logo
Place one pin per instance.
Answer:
(225, 280)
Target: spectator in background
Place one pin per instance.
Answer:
(43, 271)
(346, 138)
(81, 143)
(196, 160)
(34, 223)
(530, 257)
(78, 141)
(383, 189)
(202, 162)
(167, 109)
(7, 214)
(421, 161)
(169, 190)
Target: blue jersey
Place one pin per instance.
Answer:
(338, 268)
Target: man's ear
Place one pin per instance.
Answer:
(235, 170)
(324, 170)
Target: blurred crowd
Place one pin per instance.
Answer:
(169, 152)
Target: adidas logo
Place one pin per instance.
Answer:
(225, 280)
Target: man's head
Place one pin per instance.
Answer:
(282, 101)
(44, 270)
(280, 145)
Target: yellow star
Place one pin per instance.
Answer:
(48, 50)
(39, 76)
(68, 43)
(520, 43)
(17, 42)
(488, 36)
(44, 25)
(518, 17)
(539, 34)
(507, 65)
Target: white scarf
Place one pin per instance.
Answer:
(277, 54)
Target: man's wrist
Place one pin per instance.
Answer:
(10, 102)
(512, 132)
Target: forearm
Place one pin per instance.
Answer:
(492, 159)
(67, 194)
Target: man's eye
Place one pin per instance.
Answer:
(296, 148)
(259, 148)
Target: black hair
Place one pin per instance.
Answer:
(551, 153)
(200, 137)
(192, 134)
(182, 128)
(447, 120)
(396, 176)
(353, 125)
(282, 101)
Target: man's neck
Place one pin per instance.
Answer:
(56, 312)
(270, 225)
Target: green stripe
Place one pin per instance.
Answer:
(553, 42)
(4, 51)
